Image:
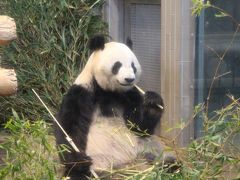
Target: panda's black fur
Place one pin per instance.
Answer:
(77, 110)
(97, 43)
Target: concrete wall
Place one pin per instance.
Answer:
(177, 66)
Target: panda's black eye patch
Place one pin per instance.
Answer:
(134, 68)
(116, 67)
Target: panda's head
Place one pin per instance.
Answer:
(113, 65)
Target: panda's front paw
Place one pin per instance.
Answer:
(83, 160)
(152, 99)
(79, 161)
(78, 166)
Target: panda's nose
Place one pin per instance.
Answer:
(129, 80)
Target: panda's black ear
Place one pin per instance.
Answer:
(97, 43)
(129, 43)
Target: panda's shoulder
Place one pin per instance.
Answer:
(77, 91)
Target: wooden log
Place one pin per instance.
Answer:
(8, 82)
(7, 30)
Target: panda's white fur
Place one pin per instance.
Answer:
(100, 64)
(112, 145)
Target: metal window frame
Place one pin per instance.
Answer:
(127, 6)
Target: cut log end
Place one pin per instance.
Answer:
(7, 30)
(8, 82)
(4, 42)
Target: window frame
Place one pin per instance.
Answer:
(126, 11)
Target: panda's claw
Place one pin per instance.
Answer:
(78, 161)
(152, 98)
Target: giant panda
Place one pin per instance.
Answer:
(106, 116)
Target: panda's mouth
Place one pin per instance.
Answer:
(126, 84)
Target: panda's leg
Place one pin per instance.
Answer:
(75, 117)
(156, 151)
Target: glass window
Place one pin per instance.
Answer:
(217, 37)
